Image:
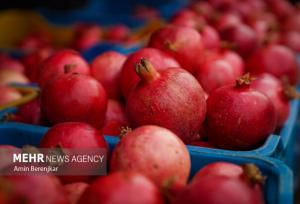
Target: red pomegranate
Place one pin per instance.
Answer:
(55, 65)
(74, 191)
(159, 59)
(274, 59)
(155, 152)
(274, 89)
(106, 68)
(183, 43)
(216, 187)
(86, 36)
(29, 113)
(8, 63)
(171, 98)
(239, 117)
(214, 74)
(74, 97)
(32, 61)
(118, 33)
(32, 189)
(122, 187)
(115, 118)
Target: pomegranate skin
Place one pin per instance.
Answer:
(122, 187)
(174, 100)
(210, 38)
(159, 60)
(86, 36)
(219, 169)
(183, 43)
(292, 40)
(242, 37)
(106, 68)
(32, 190)
(54, 65)
(239, 118)
(115, 118)
(5, 152)
(235, 60)
(73, 135)
(214, 74)
(33, 60)
(118, 33)
(8, 95)
(74, 191)
(74, 97)
(274, 59)
(187, 18)
(155, 152)
(273, 88)
(30, 113)
(219, 190)
(8, 63)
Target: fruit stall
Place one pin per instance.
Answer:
(150, 102)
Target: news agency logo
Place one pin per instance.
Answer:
(57, 161)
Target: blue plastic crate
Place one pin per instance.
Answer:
(279, 184)
(109, 12)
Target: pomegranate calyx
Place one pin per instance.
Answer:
(124, 130)
(68, 68)
(171, 46)
(246, 79)
(252, 174)
(146, 71)
(290, 91)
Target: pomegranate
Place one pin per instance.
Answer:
(183, 43)
(8, 63)
(274, 89)
(218, 187)
(202, 8)
(32, 61)
(86, 36)
(32, 190)
(239, 117)
(282, 8)
(74, 191)
(223, 4)
(128, 76)
(292, 40)
(55, 65)
(8, 95)
(6, 152)
(106, 68)
(34, 41)
(8, 76)
(73, 135)
(214, 74)
(226, 20)
(74, 97)
(171, 98)
(275, 59)
(188, 18)
(115, 118)
(234, 60)
(29, 113)
(242, 37)
(118, 33)
(210, 38)
(219, 169)
(120, 187)
(155, 152)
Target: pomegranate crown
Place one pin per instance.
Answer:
(246, 79)
(146, 71)
(252, 174)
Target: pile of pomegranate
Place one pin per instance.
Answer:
(219, 74)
